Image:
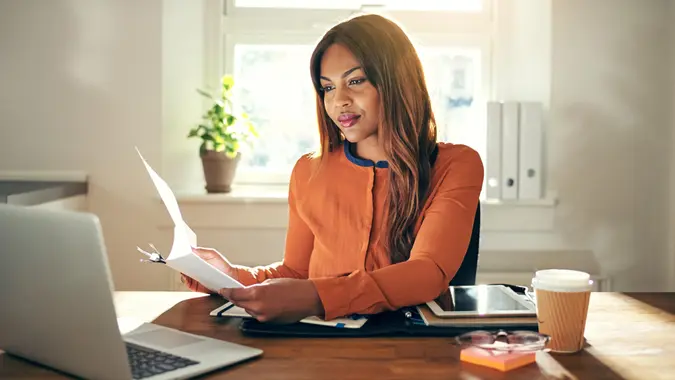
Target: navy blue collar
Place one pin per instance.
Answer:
(379, 164)
(362, 161)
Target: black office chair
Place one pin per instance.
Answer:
(466, 275)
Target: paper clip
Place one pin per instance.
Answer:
(153, 257)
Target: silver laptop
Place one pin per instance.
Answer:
(56, 306)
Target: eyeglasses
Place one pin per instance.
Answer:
(513, 341)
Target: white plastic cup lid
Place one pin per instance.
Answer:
(562, 280)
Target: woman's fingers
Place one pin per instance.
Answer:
(250, 312)
(193, 285)
(187, 281)
(240, 294)
(205, 251)
(190, 283)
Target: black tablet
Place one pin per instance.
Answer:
(481, 301)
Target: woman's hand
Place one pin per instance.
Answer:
(280, 300)
(214, 258)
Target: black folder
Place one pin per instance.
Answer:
(403, 322)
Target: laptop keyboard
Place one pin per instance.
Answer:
(146, 362)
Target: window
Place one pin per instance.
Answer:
(426, 5)
(274, 89)
(268, 43)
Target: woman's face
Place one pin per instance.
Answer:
(351, 101)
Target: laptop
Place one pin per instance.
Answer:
(57, 306)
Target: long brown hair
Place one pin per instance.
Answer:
(407, 128)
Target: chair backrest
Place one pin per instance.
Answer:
(466, 275)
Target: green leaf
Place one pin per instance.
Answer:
(221, 128)
(205, 94)
(210, 97)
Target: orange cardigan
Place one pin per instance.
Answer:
(336, 221)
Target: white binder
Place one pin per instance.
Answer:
(510, 147)
(530, 159)
(493, 166)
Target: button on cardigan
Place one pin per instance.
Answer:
(337, 223)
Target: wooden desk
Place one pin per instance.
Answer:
(630, 336)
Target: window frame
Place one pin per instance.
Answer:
(472, 29)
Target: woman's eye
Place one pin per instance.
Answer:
(357, 81)
(327, 88)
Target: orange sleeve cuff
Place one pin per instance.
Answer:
(356, 293)
(335, 296)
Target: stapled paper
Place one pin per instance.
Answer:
(182, 258)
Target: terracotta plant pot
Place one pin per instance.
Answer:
(219, 171)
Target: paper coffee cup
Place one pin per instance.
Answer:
(562, 307)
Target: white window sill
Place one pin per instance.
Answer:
(279, 194)
(48, 176)
(550, 201)
(266, 207)
(240, 194)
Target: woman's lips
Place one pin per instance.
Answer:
(348, 119)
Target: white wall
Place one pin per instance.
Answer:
(610, 134)
(671, 232)
(80, 85)
(522, 51)
(184, 69)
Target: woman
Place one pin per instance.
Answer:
(381, 217)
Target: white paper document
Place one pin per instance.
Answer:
(181, 258)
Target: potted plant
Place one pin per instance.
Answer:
(222, 132)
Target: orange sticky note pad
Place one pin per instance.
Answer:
(501, 360)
